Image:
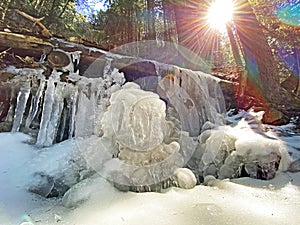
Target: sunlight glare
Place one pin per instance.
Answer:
(220, 12)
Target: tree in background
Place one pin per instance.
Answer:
(263, 74)
(183, 22)
(59, 15)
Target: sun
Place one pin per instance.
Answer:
(220, 12)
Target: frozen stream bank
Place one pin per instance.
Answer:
(168, 129)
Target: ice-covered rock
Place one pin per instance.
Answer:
(209, 180)
(85, 190)
(245, 149)
(136, 118)
(185, 178)
(138, 148)
(196, 96)
(57, 169)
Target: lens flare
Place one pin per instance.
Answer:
(289, 12)
(220, 12)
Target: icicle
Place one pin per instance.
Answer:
(63, 124)
(157, 70)
(21, 106)
(75, 59)
(85, 116)
(118, 77)
(35, 104)
(107, 68)
(10, 113)
(57, 108)
(43, 57)
(72, 108)
(66, 124)
(46, 113)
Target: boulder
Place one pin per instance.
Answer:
(185, 178)
(274, 117)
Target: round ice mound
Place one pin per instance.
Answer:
(136, 118)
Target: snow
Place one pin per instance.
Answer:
(15, 160)
(85, 197)
(95, 201)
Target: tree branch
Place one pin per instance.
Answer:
(45, 32)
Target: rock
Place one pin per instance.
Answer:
(294, 166)
(210, 170)
(86, 189)
(208, 126)
(58, 170)
(5, 126)
(227, 171)
(136, 119)
(197, 98)
(6, 76)
(95, 69)
(274, 117)
(185, 178)
(138, 70)
(229, 90)
(290, 83)
(209, 180)
(204, 136)
(44, 184)
(263, 170)
(5, 96)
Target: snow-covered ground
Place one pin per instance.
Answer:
(239, 201)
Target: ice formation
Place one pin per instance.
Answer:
(132, 148)
(196, 96)
(241, 150)
(60, 110)
(155, 132)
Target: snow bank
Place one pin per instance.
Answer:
(222, 203)
(94, 201)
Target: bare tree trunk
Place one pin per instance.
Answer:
(6, 6)
(259, 60)
(263, 75)
(165, 18)
(64, 8)
(151, 20)
(192, 28)
(238, 60)
(297, 91)
(39, 7)
(234, 45)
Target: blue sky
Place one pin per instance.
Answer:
(87, 7)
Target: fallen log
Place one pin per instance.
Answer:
(26, 45)
(25, 42)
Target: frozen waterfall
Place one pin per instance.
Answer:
(141, 124)
(61, 109)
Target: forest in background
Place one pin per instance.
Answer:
(125, 21)
(261, 42)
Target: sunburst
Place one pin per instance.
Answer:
(220, 12)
